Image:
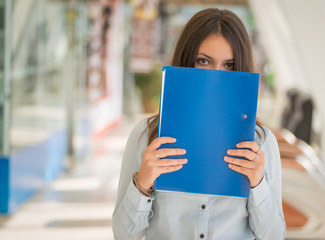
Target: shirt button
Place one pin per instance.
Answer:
(203, 206)
(201, 235)
(149, 200)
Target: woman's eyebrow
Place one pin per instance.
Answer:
(207, 56)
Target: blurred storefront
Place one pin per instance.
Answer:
(60, 87)
(105, 65)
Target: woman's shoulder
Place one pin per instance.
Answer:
(270, 138)
(139, 132)
(264, 135)
(140, 126)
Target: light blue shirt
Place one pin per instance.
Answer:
(172, 216)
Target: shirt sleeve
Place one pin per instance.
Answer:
(132, 210)
(265, 201)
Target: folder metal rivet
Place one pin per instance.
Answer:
(244, 116)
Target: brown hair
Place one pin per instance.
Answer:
(199, 27)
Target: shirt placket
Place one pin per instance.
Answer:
(203, 219)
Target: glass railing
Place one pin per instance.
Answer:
(3, 84)
(43, 64)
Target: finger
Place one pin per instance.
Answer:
(170, 169)
(240, 162)
(159, 141)
(170, 162)
(242, 153)
(241, 170)
(249, 144)
(164, 152)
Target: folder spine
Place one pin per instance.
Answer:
(161, 99)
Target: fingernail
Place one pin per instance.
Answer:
(174, 139)
(229, 151)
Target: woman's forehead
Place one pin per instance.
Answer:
(216, 46)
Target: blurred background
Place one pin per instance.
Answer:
(77, 75)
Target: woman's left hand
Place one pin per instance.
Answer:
(253, 167)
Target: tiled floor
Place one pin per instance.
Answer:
(79, 204)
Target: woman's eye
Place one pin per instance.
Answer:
(230, 65)
(202, 61)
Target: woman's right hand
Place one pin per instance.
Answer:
(152, 166)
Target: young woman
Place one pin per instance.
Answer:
(213, 39)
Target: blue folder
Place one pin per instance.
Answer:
(208, 112)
